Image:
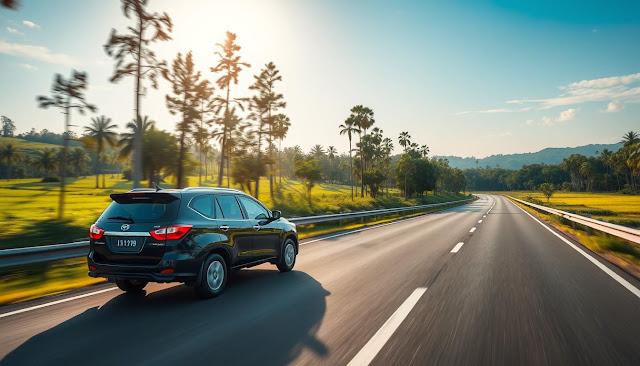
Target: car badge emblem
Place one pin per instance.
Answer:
(125, 227)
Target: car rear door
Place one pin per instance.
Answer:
(266, 235)
(126, 225)
(234, 228)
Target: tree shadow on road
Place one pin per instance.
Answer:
(264, 318)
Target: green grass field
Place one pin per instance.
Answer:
(611, 207)
(29, 208)
(28, 147)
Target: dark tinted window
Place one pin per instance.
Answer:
(204, 205)
(230, 208)
(253, 208)
(142, 211)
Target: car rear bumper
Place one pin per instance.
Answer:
(147, 276)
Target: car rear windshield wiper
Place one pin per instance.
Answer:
(120, 218)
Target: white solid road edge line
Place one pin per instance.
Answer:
(472, 229)
(375, 344)
(56, 302)
(457, 247)
(604, 268)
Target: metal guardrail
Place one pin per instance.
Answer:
(623, 232)
(46, 253)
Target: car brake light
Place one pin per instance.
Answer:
(92, 268)
(95, 232)
(171, 232)
(167, 271)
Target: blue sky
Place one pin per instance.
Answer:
(467, 78)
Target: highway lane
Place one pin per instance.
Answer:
(511, 293)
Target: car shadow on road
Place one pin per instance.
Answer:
(264, 317)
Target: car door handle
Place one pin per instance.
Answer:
(256, 227)
(224, 227)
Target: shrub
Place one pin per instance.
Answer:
(50, 180)
(126, 174)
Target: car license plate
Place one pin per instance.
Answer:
(126, 244)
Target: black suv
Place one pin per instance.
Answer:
(191, 235)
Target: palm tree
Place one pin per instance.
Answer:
(230, 66)
(349, 128)
(9, 153)
(281, 126)
(134, 58)
(46, 160)
(331, 154)
(127, 140)
(317, 151)
(404, 140)
(424, 150)
(78, 159)
(630, 138)
(102, 134)
(364, 119)
(66, 94)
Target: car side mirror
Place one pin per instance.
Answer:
(276, 215)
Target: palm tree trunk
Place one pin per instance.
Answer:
(351, 168)
(63, 164)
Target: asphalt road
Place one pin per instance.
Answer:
(407, 293)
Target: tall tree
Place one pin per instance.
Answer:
(134, 57)
(317, 151)
(350, 128)
(67, 94)
(10, 154)
(186, 86)
(127, 139)
(271, 102)
(78, 159)
(229, 66)
(630, 138)
(8, 127)
(101, 132)
(364, 119)
(281, 125)
(424, 150)
(331, 154)
(404, 140)
(202, 133)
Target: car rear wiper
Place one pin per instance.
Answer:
(121, 218)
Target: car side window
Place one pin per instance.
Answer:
(253, 208)
(229, 207)
(203, 205)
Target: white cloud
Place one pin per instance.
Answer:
(614, 106)
(547, 121)
(622, 89)
(14, 31)
(30, 24)
(530, 122)
(35, 52)
(29, 67)
(567, 115)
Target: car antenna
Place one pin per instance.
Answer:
(158, 188)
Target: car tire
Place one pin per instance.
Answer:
(131, 285)
(214, 277)
(288, 256)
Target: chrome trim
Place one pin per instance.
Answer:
(128, 233)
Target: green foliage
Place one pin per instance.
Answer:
(374, 178)
(547, 190)
(309, 171)
(50, 179)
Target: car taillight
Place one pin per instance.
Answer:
(95, 232)
(172, 232)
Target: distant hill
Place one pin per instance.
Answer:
(550, 155)
(28, 147)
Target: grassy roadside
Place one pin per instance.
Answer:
(29, 282)
(620, 252)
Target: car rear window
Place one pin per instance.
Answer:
(143, 209)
